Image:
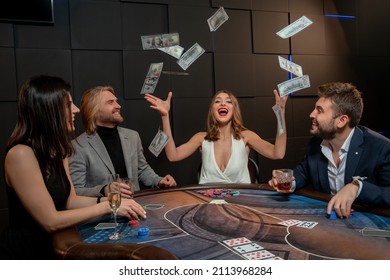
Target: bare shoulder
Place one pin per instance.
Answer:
(249, 134)
(199, 137)
(19, 152)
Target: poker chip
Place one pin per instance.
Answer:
(134, 223)
(143, 233)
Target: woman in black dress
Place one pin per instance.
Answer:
(41, 196)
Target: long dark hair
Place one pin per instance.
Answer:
(42, 120)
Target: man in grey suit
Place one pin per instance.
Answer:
(344, 159)
(105, 148)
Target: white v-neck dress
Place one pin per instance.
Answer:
(236, 170)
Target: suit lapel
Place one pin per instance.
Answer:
(125, 142)
(354, 154)
(98, 146)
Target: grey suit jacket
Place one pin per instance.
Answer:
(90, 164)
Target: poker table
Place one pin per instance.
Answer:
(230, 221)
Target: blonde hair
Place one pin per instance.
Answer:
(236, 123)
(90, 106)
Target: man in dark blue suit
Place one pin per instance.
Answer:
(349, 161)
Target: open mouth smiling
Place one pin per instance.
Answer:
(223, 111)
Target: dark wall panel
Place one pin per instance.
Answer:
(233, 4)
(31, 62)
(306, 6)
(235, 35)
(310, 40)
(199, 82)
(6, 35)
(92, 68)
(191, 23)
(235, 73)
(340, 7)
(265, 25)
(301, 107)
(340, 36)
(135, 68)
(274, 5)
(267, 74)
(95, 24)
(134, 15)
(322, 69)
(8, 86)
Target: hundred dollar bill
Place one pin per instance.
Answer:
(150, 42)
(190, 56)
(278, 112)
(217, 19)
(158, 143)
(152, 77)
(175, 51)
(290, 66)
(294, 28)
(293, 85)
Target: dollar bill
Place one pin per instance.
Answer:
(150, 42)
(290, 66)
(217, 19)
(158, 143)
(175, 51)
(152, 77)
(294, 28)
(278, 112)
(293, 85)
(190, 56)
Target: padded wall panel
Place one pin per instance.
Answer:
(8, 109)
(189, 117)
(233, 4)
(323, 69)
(340, 36)
(53, 36)
(235, 73)
(267, 74)
(373, 27)
(135, 68)
(191, 23)
(6, 35)
(340, 7)
(374, 72)
(148, 20)
(200, 79)
(93, 68)
(95, 24)
(54, 62)
(310, 40)
(274, 5)
(259, 117)
(264, 28)
(301, 109)
(235, 35)
(8, 86)
(306, 6)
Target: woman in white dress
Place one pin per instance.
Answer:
(226, 144)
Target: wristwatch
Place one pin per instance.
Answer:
(355, 182)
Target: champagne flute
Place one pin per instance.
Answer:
(114, 199)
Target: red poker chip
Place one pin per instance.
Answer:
(134, 223)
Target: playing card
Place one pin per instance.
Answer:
(258, 255)
(307, 224)
(104, 226)
(153, 206)
(218, 201)
(236, 241)
(248, 247)
(290, 222)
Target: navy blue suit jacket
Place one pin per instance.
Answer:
(368, 156)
